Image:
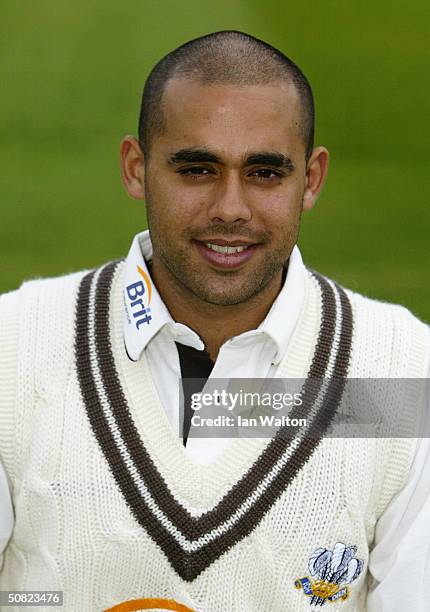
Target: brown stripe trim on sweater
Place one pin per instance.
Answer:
(190, 564)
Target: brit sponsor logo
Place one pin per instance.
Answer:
(139, 295)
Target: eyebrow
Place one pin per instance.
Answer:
(193, 155)
(265, 158)
(279, 160)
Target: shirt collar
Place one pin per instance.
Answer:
(145, 313)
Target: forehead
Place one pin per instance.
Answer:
(229, 118)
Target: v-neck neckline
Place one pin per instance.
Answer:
(184, 505)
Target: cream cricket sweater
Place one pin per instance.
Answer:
(109, 508)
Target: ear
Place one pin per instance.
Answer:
(316, 172)
(132, 167)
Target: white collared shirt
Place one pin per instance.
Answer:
(400, 559)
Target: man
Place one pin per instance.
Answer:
(109, 507)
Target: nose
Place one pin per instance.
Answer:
(229, 203)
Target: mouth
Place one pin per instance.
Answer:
(226, 254)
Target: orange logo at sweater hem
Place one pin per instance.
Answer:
(149, 604)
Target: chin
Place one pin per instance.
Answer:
(223, 297)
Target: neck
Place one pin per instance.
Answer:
(214, 323)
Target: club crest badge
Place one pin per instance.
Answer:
(331, 572)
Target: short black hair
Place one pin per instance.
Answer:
(225, 57)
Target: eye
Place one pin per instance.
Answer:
(195, 172)
(267, 175)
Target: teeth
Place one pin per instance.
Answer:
(226, 250)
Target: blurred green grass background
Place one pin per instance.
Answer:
(72, 75)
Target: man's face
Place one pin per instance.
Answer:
(224, 188)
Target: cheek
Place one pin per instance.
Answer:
(175, 205)
(281, 211)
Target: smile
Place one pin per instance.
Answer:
(225, 256)
(227, 250)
